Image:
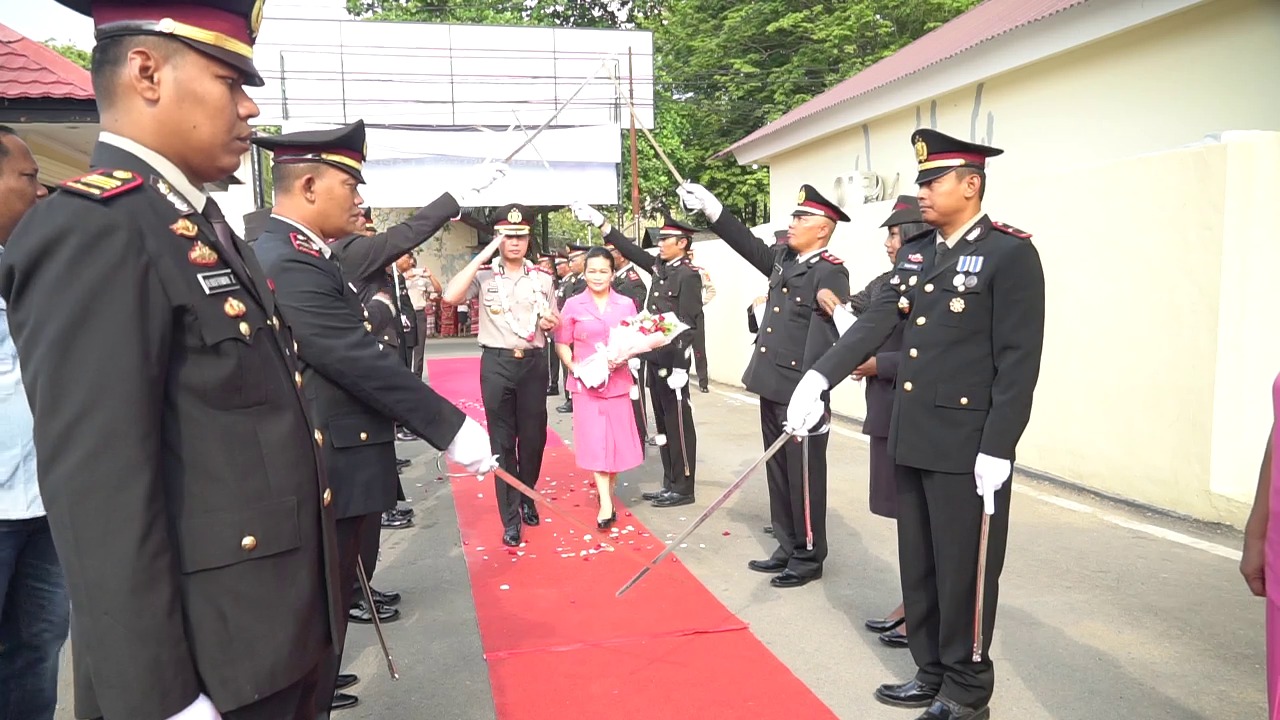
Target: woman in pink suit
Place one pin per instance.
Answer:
(1260, 561)
(604, 428)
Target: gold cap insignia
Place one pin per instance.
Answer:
(122, 174)
(957, 305)
(255, 19)
(233, 308)
(800, 197)
(184, 228)
(514, 216)
(922, 150)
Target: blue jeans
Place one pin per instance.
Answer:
(34, 618)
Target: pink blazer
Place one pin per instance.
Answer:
(582, 325)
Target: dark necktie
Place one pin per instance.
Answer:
(214, 215)
(942, 251)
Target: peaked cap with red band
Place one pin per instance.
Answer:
(341, 147)
(224, 29)
(938, 154)
(512, 219)
(906, 209)
(811, 202)
(674, 228)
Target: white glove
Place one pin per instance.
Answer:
(470, 448)
(805, 408)
(634, 364)
(201, 709)
(696, 197)
(990, 474)
(587, 214)
(477, 180)
(843, 318)
(678, 379)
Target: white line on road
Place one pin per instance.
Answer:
(1153, 530)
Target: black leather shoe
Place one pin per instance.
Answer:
(395, 522)
(359, 613)
(943, 709)
(346, 680)
(894, 639)
(771, 566)
(529, 514)
(403, 462)
(390, 599)
(673, 499)
(789, 579)
(768, 529)
(406, 512)
(654, 495)
(511, 537)
(703, 389)
(910, 694)
(565, 408)
(883, 626)
(405, 436)
(553, 390)
(342, 701)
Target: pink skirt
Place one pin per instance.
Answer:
(605, 438)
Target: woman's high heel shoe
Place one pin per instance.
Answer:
(604, 524)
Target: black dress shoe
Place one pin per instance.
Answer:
(943, 709)
(553, 390)
(403, 462)
(883, 626)
(395, 522)
(768, 529)
(390, 599)
(342, 701)
(565, 408)
(673, 499)
(910, 694)
(406, 512)
(359, 613)
(771, 566)
(511, 537)
(703, 388)
(894, 639)
(405, 436)
(529, 514)
(654, 495)
(346, 680)
(789, 579)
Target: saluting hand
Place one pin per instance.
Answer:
(487, 253)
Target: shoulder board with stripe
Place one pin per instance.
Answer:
(303, 244)
(1011, 230)
(543, 270)
(104, 183)
(632, 274)
(831, 258)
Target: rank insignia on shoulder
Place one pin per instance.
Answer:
(1011, 230)
(633, 275)
(831, 258)
(184, 228)
(103, 183)
(303, 243)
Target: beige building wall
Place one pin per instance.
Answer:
(1159, 352)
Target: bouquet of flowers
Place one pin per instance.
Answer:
(634, 336)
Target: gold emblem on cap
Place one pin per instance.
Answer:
(922, 150)
(166, 25)
(121, 174)
(255, 18)
(234, 308)
(957, 305)
(514, 216)
(800, 197)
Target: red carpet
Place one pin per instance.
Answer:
(561, 646)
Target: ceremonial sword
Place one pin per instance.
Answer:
(715, 505)
(603, 61)
(804, 479)
(982, 582)
(373, 612)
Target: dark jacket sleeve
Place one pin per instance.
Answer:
(362, 256)
(863, 339)
(887, 365)
(632, 252)
(333, 341)
(739, 237)
(1017, 340)
(689, 310)
(863, 297)
(96, 391)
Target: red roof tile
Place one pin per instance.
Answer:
(31, 70)
(987, 21)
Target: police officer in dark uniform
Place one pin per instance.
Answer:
(972, 295)
(517, 310)
(548, 261)
(793, 333)
(572, 284)
(629, 284)
(356, 392)
(182, 480)
(676, 287)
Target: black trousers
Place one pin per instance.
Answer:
(295, 702)
(785, 471)
(370, 536)
(667, 411)
(637, 405)
(417, 351)
(939, 525)
(349, 532)
(553, 364)
(515, 404)
(700, 352)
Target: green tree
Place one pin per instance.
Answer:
(69, 51)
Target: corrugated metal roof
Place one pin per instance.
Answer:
(31, 70)
(989, 20)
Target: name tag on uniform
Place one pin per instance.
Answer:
(218, 281)
(910, 266)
